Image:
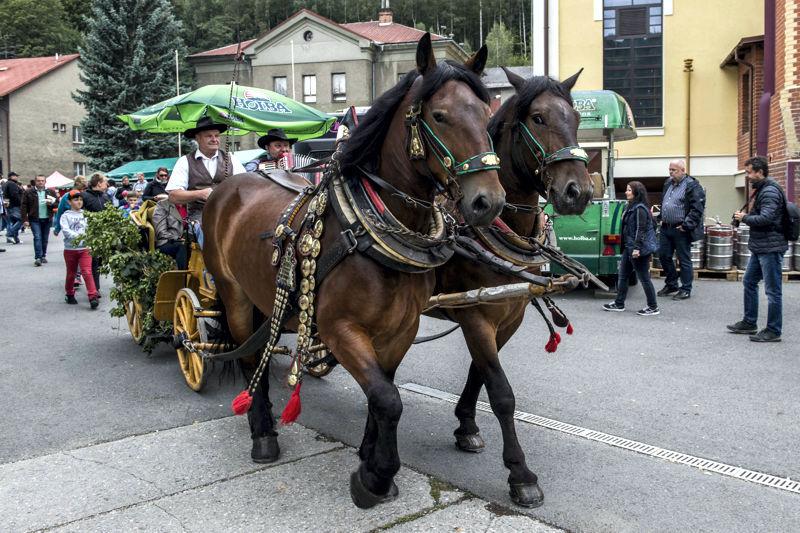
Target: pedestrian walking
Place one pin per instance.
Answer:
(13, 194)
(79, 185)
(638, 245)
(95, 200)
(37, 212)
(76, 254)
(767, 244)
(682, 214)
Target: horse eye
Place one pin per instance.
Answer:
(537, 119)
(438, 116)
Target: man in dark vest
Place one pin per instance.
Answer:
(196, 174)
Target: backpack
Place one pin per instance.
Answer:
(649, 244)
(790, 222)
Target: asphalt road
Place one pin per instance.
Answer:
(72, 377)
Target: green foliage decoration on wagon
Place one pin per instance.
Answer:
(115, 240)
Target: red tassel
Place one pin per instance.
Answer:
(570, 329)
(558, 337)
(241, 404)
(293, 407)
(552, 344)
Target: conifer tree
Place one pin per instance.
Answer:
(126, 63)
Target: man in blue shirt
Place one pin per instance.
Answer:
(682, 213)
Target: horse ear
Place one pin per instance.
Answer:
(515, 79)
(426, 61)
(570, 82)
(477, 62)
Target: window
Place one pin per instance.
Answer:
(632, 56)
(747, 110)
(279, 84)
(339, 87)
(79, 168)
(63, 128)
(77, 135)
(310, 89)
(55, 127)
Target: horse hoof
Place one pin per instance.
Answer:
(265, 449)
(526, 494)
(470, 443)
(364, 498)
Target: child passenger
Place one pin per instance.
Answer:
(73, 226)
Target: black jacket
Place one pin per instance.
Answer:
(13, 193)
(94, 201)
(153, 189)
(30, 204)
(637, 223)
(122, 188)
(766, 219)
(694, 207)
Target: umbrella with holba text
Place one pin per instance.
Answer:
(243, 109)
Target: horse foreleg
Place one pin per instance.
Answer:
(468, 438)
(483, 346)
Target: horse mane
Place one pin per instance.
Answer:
(521, 101)
(364, 145)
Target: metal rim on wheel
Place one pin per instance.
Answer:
(321, 370)
(185, 324)
(133, 313)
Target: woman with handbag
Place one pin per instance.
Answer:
(638, 245)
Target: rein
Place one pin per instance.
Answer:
(421, 135)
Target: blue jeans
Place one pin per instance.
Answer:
(767, 267)
(14, 223)
(642, 267)
(41, 234)
(673, 240)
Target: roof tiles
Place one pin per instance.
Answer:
(16, 73)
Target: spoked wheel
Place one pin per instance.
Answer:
(186, 328)
(133, 313)
(320, 370)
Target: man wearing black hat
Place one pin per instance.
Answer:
(276, 144)
(196, 174)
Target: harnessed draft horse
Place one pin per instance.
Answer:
(535, 133)
(417, 141)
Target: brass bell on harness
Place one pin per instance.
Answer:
(315, 248)
(306, 244)
(303, 302)
(318, 227)
(322, 201)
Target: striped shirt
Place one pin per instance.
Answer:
(672, 205)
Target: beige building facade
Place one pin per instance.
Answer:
(39, 120)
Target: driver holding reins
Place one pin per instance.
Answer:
(196, 174)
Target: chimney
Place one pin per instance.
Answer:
(385, 14)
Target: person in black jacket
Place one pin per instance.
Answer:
(638, 244)
(767, 245)
(94, 200)
(682, 214)
(157, 189)
(123, 189)
(13, 193)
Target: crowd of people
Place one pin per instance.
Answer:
(180, 198)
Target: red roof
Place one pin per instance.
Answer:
(387, 33)
(228, 50)
(16, 73)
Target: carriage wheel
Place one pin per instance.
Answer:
(194, 368)
(133, 313)
(321, 370)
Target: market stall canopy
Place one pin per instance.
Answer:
(243, 109)
(603, 113)
(148, 167)
(57, 180)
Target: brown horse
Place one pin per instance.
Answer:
(366, 314)
(543, 108)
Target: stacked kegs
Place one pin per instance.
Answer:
(719, 247)
(797, 255)
(742, 251)
(697, 253)
(788, 256)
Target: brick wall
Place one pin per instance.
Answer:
(746, 137)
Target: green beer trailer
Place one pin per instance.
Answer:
(593, 238)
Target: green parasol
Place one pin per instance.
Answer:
(243, 109)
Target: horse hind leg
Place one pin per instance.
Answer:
(239, 311)
(524, 489)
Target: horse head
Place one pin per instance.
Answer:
(543, 145)
(441, 111)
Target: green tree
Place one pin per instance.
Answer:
(30, 28)
(127, 63)
(500, 42)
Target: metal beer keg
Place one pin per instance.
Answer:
(719, 247)
(742, 251)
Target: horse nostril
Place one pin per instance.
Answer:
(481, 204)
(573, 191)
